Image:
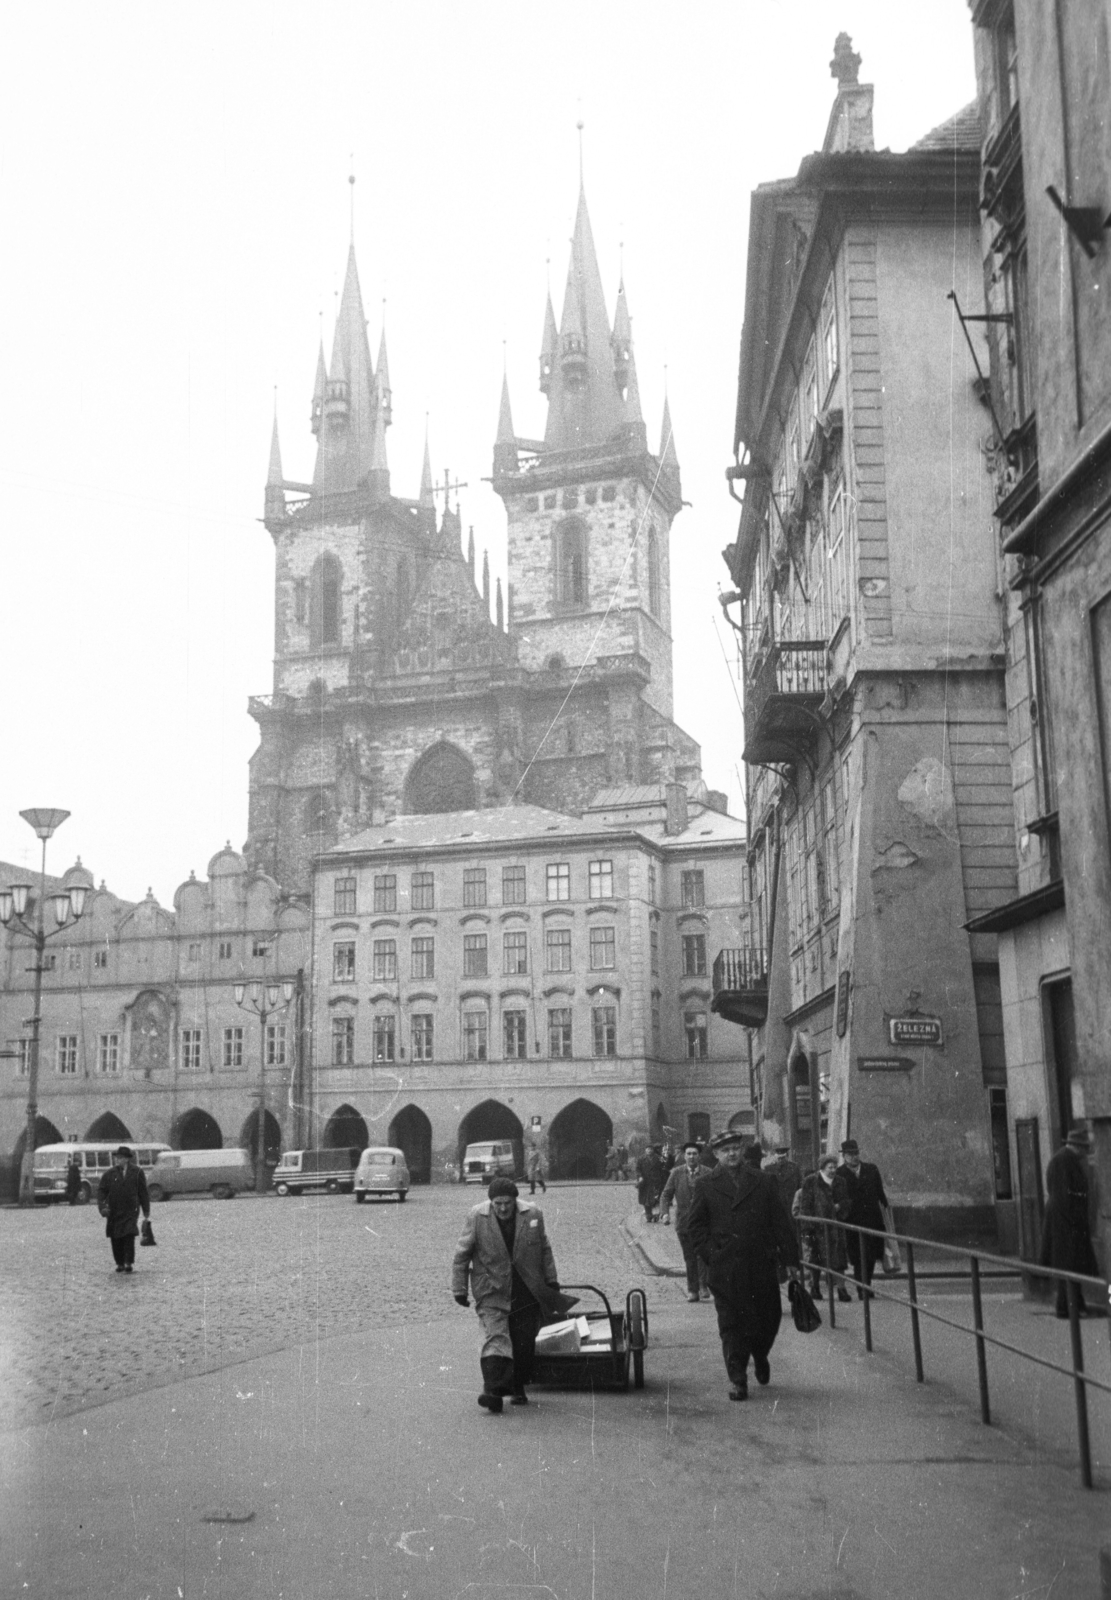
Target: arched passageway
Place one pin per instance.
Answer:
(344, 1130)
(491, 1120)
(272, 1139)
(108, 1126)
(411, 1132)
(196, 1130)
(45, 1133)
(577, 1141)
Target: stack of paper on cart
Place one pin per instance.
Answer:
(560, 1338)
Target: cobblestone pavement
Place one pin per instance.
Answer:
(229, 1280)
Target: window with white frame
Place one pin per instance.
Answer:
(275, 1044)
(837, 585)
(694, 955)
(603, 949)
(604, 1019)
(224, 950)
(108, 1054)
(694, 1023)
(559, 880)
(260, 947)
(422, 891)
(559, 1032)
(420, 1036)
(514, 1035)
(475, 1030)
(190, 1049)
(384, 1036)
(513, 890)
(808, 392)
(557, 949)
(73, 961)
(474, 886)
(514, 951)
(100, 959)
(343, 961)
(384, 960)
(827, 327)
(474, 955)
(601, 880)
(343, 1041)
(233, 1047)
(693, 885)
(385, 891)
(422, 956)
(654, 949)
(345, 896)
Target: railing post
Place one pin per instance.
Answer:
(981, 1352)
(827, 1234)
(1073, 1290)
(866, 1293)
(916, 1332)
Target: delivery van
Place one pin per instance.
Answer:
(490, 1159)
(220, 1173)
(302, 1171)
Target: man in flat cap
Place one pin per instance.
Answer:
(1067, 1231)
(741, 1229)
(121, 1196)
(863, 1188)
(503, 1255)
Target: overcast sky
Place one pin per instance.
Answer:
(176, 209)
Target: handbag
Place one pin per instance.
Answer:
(805, 1313)
(892, 1256)
(146, 1233)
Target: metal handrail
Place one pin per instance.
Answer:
(1075, 1282)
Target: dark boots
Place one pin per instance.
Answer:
(497, 1381)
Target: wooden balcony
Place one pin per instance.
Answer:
(782, 699)
(740, 983)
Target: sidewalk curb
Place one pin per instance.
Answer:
(658, 1269)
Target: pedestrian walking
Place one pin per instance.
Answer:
(679, 1190)
(739, 1227)
(823, 1194)
(787, 1173)
(611, 1162)
(73, 1180)
(622, 1154)
(650, 1181)
(867, 1201)
(503, 1257)
(121, 1196)
(534, 1170)
(1067, 1231)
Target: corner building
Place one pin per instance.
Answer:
(877, 760)
(517, 973)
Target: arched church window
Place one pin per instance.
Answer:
(442, 779)
(653, 573)
(325, 616)
(571, 563)
(318, 813)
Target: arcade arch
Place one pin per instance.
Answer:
(577, 1141)
(491, 1120)
(411, 1132)
(196, 1130)
(108, 1126)
(345, 1130)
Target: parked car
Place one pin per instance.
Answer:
(382, 1170)
(332, 1171)
(489, 1159)
(220, 1173)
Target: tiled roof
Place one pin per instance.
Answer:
(495, 825)
(960, 132)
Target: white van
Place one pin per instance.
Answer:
(491, 1158)
(327, 1169)
(220, 1173)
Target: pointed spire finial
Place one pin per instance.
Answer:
(579, 125)
(426, 472)
(486, 580)
(499, 606)
(351, 182)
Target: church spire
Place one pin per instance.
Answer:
(425, 498)
(548, 347)
(274, 495)
(505, 446)
(346, 437)
(318, 389)
(669, 457)
(584, 407)
(274, 475)
(382, 377)
(625, 371)
(486, 580)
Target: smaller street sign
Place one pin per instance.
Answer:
(884, 1063)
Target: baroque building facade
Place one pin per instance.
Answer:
(869, 628)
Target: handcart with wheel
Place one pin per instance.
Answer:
(616, 1341)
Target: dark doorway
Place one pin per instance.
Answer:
(577, 1141)
(698, 1125)
(1061, 1055)
(492, 1120)
(107, 1126)
(248, 1139)
(411, 1132)
(659, 1123)
(196, 1130)
(345, 1129)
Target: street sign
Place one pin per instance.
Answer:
(535, 1122)
(914, 1030)
(884, 1063)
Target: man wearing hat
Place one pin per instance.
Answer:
(1067, 1231)
(863, 1188)
(679, 1189)
(121, 1196)
(504, 1253)
(739, 1226)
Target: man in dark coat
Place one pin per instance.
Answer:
(679, 1189)
(73, 1180)
(787, 1173)
(650, 1180)
(1067, 1233)
(122, 1195)
(864, 1190)
(740, 1229)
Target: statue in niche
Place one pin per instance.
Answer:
(350, 781)
(150, 1019)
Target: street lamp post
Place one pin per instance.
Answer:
(65, 904)
(264, 1000)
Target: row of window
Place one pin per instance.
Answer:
(476, 1029)
(75, 959)
(557, 880)
(476, 964)
(66, 1048)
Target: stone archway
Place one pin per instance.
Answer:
(108, 1126)
(45, 1133)
(411, 1132)
(442, 779)
(196, 1130)
(491, 1120)
(345, 1130)
(272, 1139)
(577, 1141)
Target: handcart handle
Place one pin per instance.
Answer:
(564, 1287)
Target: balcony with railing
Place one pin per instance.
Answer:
(740, 985)
(782, 697)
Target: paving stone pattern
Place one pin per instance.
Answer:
(232, 1279)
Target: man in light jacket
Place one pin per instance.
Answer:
(503, 1255)
(679, 1189)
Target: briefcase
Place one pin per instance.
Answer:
(803, 1310)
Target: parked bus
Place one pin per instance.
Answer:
(95, 1156)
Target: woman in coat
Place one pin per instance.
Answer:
(823, 1195)
(504, 1257)
(121, 1196)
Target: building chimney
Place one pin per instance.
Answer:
(676, 797)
